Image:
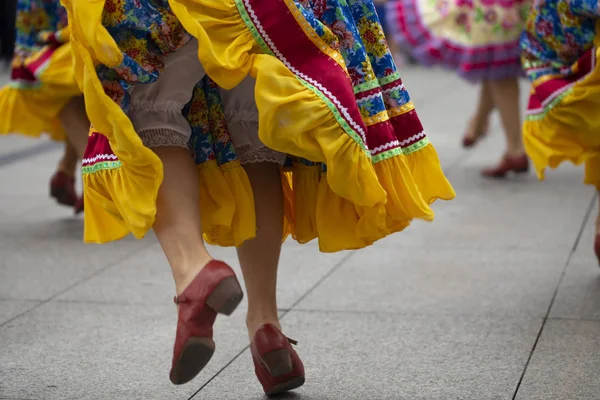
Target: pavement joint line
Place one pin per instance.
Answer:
(562, 275)
(574, 319)
(73, 285)
(28, 152)
(308, 292)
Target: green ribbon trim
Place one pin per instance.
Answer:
(401, 150)
(105, 165)
(548, 107)
(336, 113)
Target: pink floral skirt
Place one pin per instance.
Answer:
(478, 39)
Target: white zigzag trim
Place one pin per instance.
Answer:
(381, 92)
(99, 157)
(397, 143)
(386, 146)
(412, 138)
(388, 90)
(274, 49)
(560, 91)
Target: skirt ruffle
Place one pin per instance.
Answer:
(347, 182)
(42, 83)
(478, 40)
(562, 121)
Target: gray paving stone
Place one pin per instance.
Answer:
(12, 308)
(26, 187)
(578, 296)
(565, 363)
(69, 351)
(147, 276)
(43, 256)
(384, 356)
(513, 214)
(442, 282)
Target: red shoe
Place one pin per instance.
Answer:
(215, 290)
(276, 363)
(474, 133)
(62, 188)
(517, 164)
(79, 206)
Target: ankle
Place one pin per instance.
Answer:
(186, 273)
(254, 322)
(515, 152)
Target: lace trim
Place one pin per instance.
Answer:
(248, 155)
(162, 137)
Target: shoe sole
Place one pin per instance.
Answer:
(278, 362)
(198, 351)
(293, 383)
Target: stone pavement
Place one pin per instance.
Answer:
(499, 298)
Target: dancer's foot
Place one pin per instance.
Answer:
(214, 290)
(62, 188)
(276, 363)
(515, 163)
(476, 130)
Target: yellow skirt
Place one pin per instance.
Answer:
(41, 86)
(562, 121)
(356, 173)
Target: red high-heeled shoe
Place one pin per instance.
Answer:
(516, 164)
(474, 133)
(62, 188)
(276, 363)
(214, 290)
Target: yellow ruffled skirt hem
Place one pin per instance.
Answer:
(569, 131)
(353, 204)
(33, 108)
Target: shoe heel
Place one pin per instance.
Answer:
(278, 362)
(225, 298)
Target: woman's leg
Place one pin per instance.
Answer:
(178, 226)
(505, 95)
(259, 257)
(76, 124)
(69, 160)
(479, 123)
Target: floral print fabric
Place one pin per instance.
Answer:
(35, 20)
(558, 33)
(479, 39)
(146, 31)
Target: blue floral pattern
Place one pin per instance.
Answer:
(146, 31)
(558, 32)
(35, 17)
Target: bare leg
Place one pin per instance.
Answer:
(259, 257)
(479, 123)
(505, 93)
(76, 124)
(178, 225)
(68, 162)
